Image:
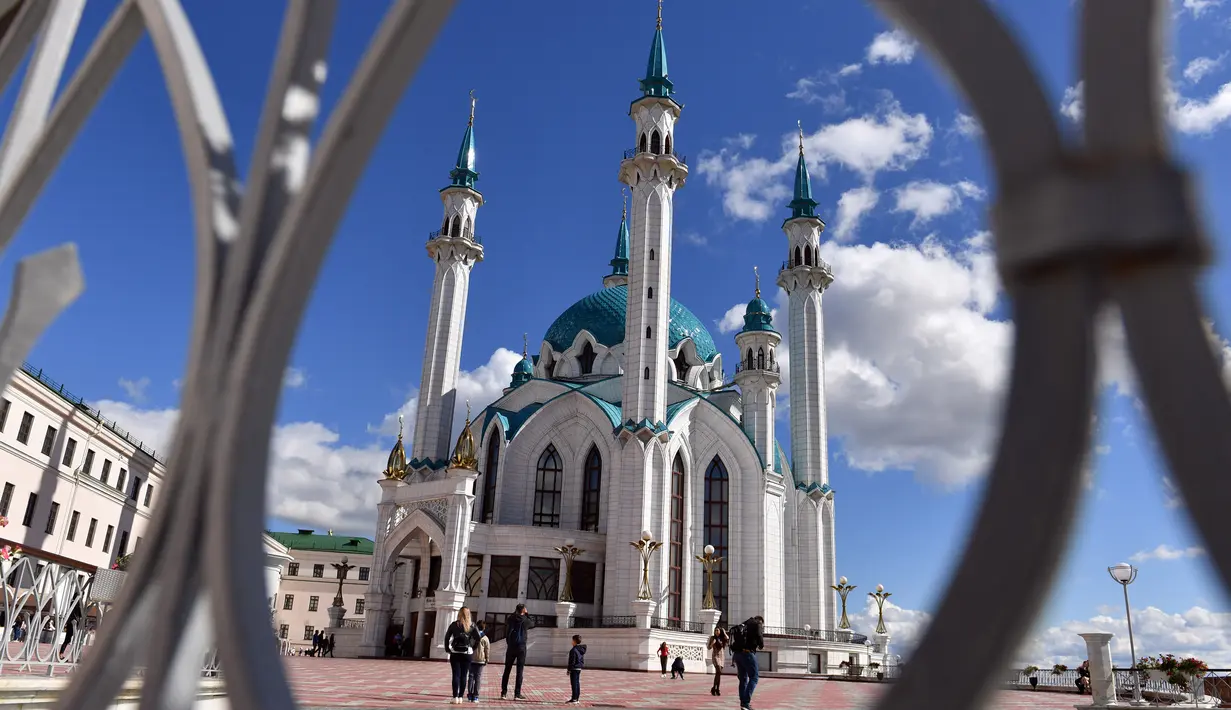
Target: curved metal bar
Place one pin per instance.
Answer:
(20, 35)
(1123, 109)
(44, 285)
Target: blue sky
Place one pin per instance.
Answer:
(916, 331)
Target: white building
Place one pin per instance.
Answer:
(623, 422)
(309, 581)
(77, 488)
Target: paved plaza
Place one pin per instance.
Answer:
(346, 683)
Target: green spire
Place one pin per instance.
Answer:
(619, 265)
(803, 205)
(656, 82)
(463, 172)
(758, 316)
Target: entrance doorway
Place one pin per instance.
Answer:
(429, 629)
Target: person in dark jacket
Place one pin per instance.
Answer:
(517, 631)
(677, 668)
(745, 642)
(576, 661)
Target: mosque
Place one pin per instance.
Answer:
(620, 431)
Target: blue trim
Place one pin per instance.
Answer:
(824, 488)
(434, 464)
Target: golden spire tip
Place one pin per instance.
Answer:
(660, 14)
(525, 345)
(624, 194)
(467, 412)
(400, 420)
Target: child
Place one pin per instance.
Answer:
(576, 661)
(478, 662)
(678, 667)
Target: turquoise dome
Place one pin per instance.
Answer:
(523, 367)
(758, 315)
(602, 314)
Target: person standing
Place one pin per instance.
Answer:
(746, 640)
(516, 635)
(478, 662)
(576, 662)
(717, 645)
(329, 646)
(461, 638)
(663, 653)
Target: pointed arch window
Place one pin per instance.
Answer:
(591, 487)
(647, 332)
(649, 292)
(488, 512)
(655, 142)
(716, 525)
(547, 481)
(748, 360)
(808, 256)
(651, 255)
(642, 146)
(455, 227)
(760, 358)
(675, 551)
(586, 359)
(667, 145)
(681, 367)
(469, 228)
(444, 226)
(798, 257)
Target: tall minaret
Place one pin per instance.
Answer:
(652, 172)
(758, 375)
(619, 263)
(804, 279)
(455, 249)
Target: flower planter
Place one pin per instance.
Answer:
(107, 585)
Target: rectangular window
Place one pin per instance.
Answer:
(313, 603)
(89, 534)
(292, 570)
(72, 525)
(4, 412)
(106, 471)
(584, 575)
(6, 500)
(107, 538)
(284, 630)
(70, 448)
(544, 582)
(51, 518)
(49, 440)
(89, 461)
(496, 628)
(358, 606)
(23, 431)
(31, 504)
(318, 571)
(136, 490)
(364, 573)
(474, 575)
(122, 549)
(121, 479)
(503, 576)
(149, 492)
(307, 632)
(288, 602)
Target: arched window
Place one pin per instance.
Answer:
(716, 525)
(808, 256)
(651, 255)
(591, 485)
(667, 145)
(675, 553)
(488, 512)
(748, 360)
(547, 490)
(550, 367)
(469, 228)
(647, 332)
(655, 142)
(649, 293)
(444, 226)
(455, 228)
(647, 373)
(798, 258)
(641, 147)
(760, 358)
(586, 359)
(681, 366)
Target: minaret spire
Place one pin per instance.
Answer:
(802, 205)
(464, 173)
(656, 82)
(619, 263)
(525, 345)
(757, 275)
(660, 15)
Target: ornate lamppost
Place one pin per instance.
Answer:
(342, 568)
(569, 552)
(646, 547)
(708, 561)
(1125, 574)
(842, 588)
(880, 595)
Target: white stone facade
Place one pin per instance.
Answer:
(308, 582)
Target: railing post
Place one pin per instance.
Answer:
(1102, 677)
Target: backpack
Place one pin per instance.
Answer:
(459, 642)
(736, 634)
(517, 634)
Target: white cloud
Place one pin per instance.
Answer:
(1072, 105)
(695, 239)
(733, 319)
(805, 90)
(928, 199)
(850, 70)
(135, 389)
(295, 378)
(853, 206)
(966, 125)
(892, 47)
(906, 626)
(1186, 115)
(1201, 67)
(742, 140)
(1199, 7)
(1167, 553)
(314, 478)
(823, 88)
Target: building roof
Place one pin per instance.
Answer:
(602, 315)
(309, 540)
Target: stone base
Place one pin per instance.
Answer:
(564, 614)
(336, 614)
(643, 609)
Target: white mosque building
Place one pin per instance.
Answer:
(623, 423)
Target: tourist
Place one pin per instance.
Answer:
(576, 661)
(478, 662)
(663, 654)
(460, 641)
(1083, 678)
(746, 640)
(717, 645)
(396, 648)
(516, 634)
(329, 646)
(677, 667)
(316, 643)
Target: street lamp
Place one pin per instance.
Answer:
(708, 561)
(342, 569)
(842, 588)
(1124, 574)
(808, 637)
(569, 552)
(646, 547)
(880, 595)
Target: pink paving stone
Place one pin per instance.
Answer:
(348, 683)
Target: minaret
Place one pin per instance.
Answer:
(619, 263)
(652, 172)
(455, 249)
(758, 374)
(805, 277)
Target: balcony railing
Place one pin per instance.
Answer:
(743, 365)
(691, 627)
(1155, 686)
(816, 262)
(605, 622)
(440, 233)
(827, 635)
(634, 152)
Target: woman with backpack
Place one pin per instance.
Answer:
(663, 653)
(717, 646)
(461, 638)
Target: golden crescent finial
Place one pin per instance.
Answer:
(757, 275)
(400, 420)
(472, 101)
(624, 194)
(525, 345)
(660, 14)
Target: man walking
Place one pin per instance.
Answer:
(516, 632)
(746, 640)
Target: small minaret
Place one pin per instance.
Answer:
(758, 375)
(619, 264)
(523, 371)
(455, 249)
(805, 277)
(653, 172)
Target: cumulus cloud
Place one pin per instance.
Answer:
(314, 477)
(1201, 67)
(295, 378)
(135, 389)
(1167, 553)
(755, 188)
(892, 47)
(823, 88)
(966, 125)
(928, 199)
(1197, 8)
(1190, 116)
(853, 206)
(906, 626)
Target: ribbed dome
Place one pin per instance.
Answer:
(602, 314)
(758, 315)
